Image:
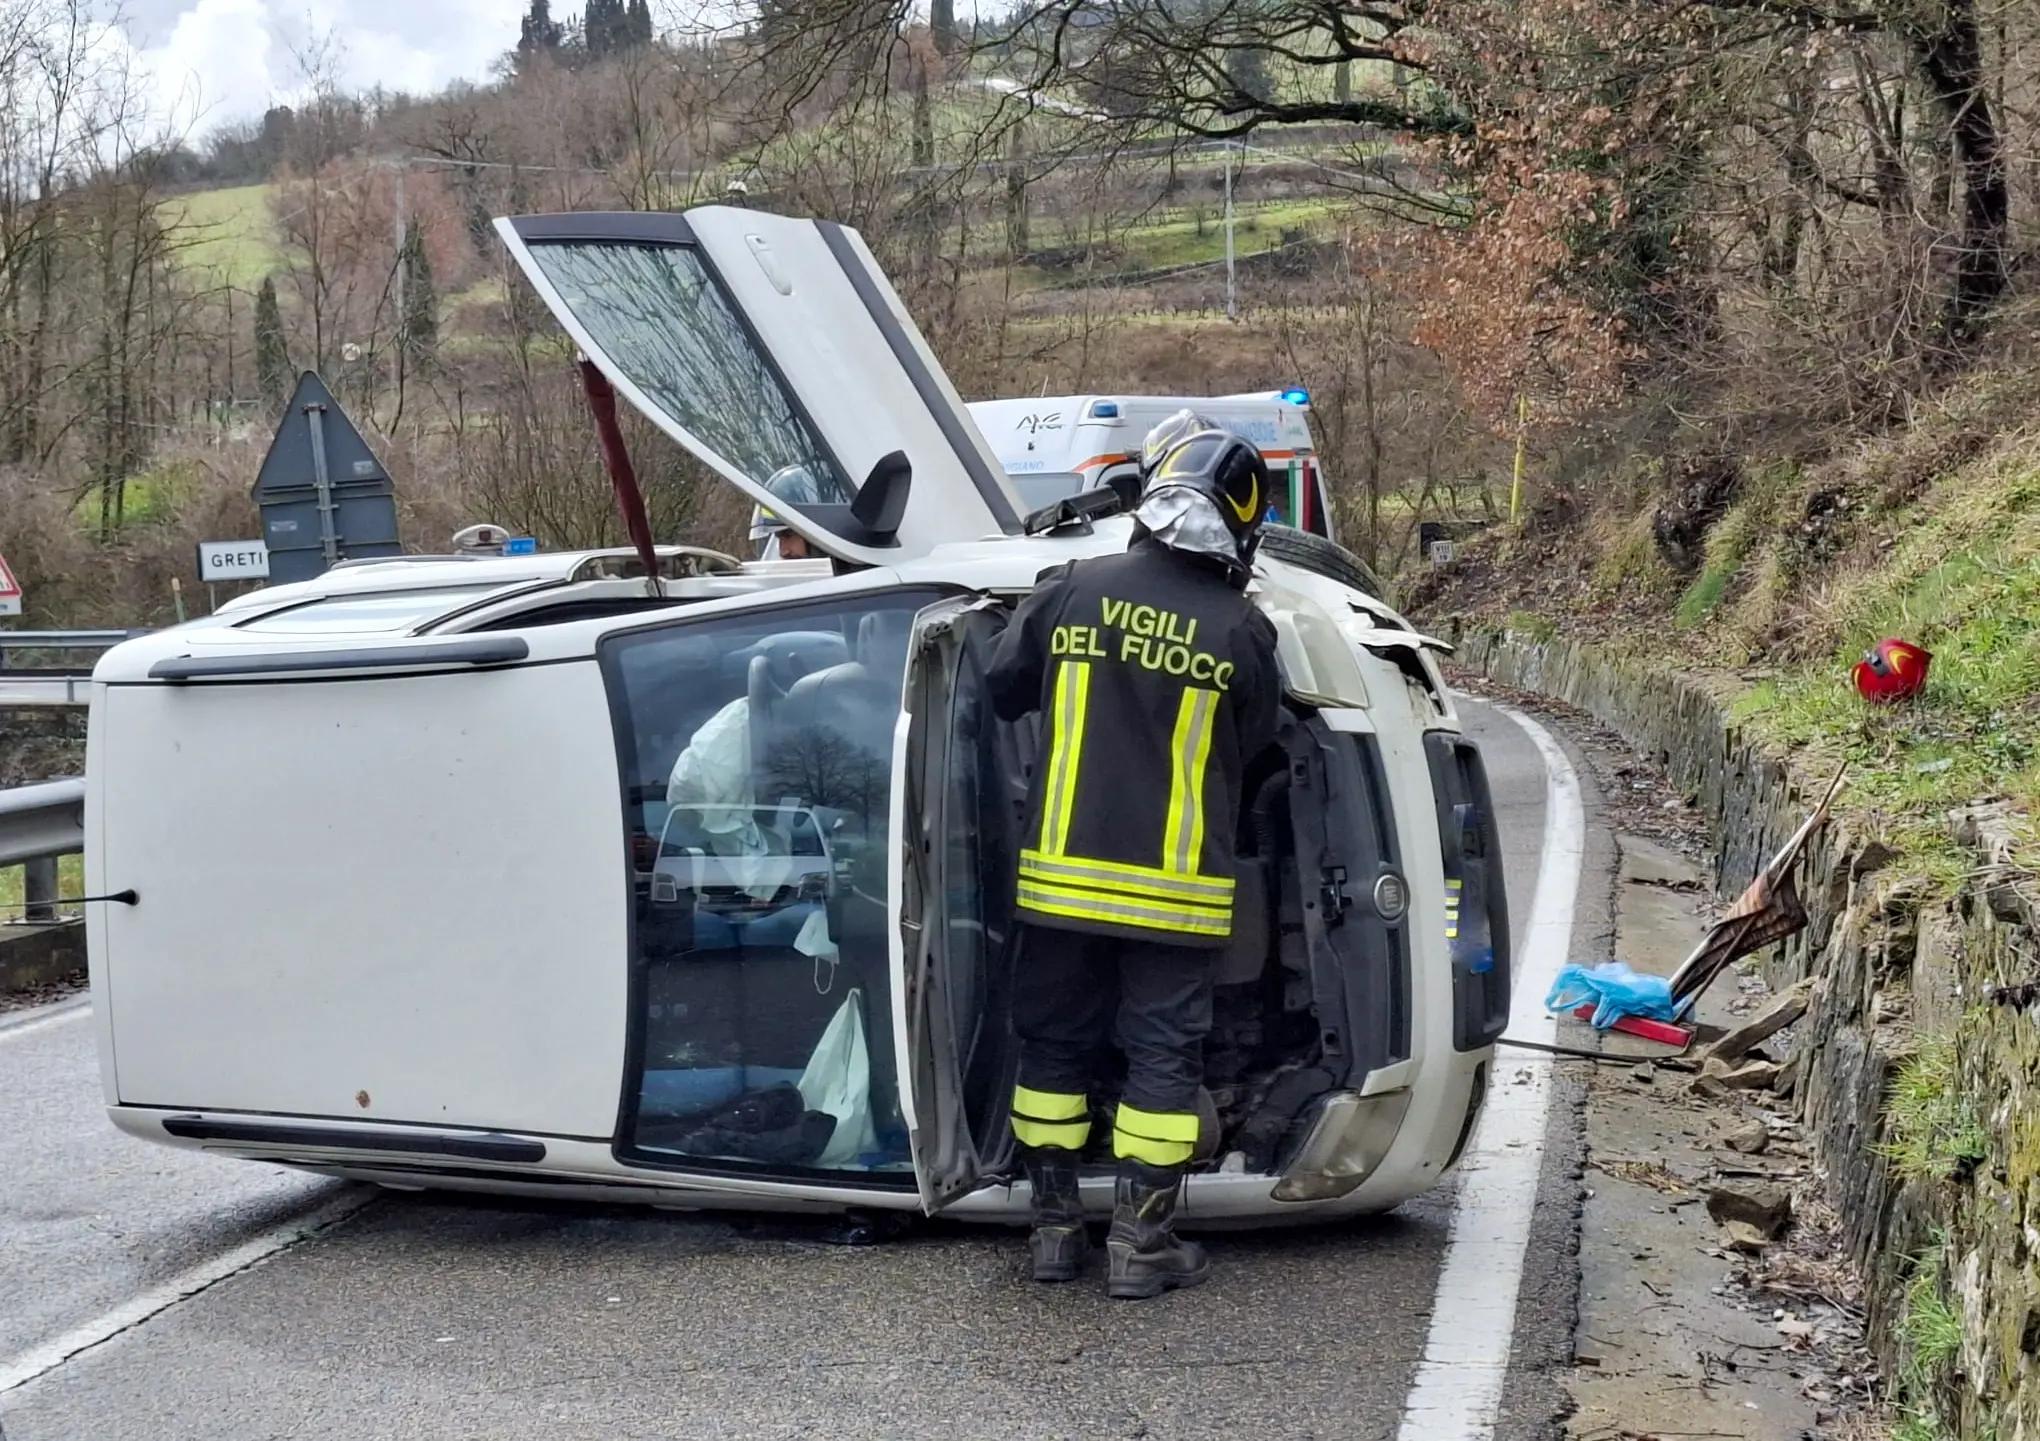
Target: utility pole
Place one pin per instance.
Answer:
(1232, 307)
(403, 257)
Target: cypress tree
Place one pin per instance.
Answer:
(272, 351)
(540, 31)
(421, 301)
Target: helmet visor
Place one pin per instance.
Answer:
(1177, 427)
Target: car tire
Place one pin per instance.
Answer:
(1322, 557)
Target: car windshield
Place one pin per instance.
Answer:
(757, 756)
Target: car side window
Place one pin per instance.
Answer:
(756, 756)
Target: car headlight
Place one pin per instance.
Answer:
(1351, 1137)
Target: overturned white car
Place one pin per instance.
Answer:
(539, 874)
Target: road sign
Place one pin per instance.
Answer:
(10, 590)
(323, 494)
(232, 560)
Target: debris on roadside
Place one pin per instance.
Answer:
(1788, 1007)
(1611, 992)
(1655, 1174)
(1752, 1138)
(1749, 1076)
(1767, 1210)
(1769, 911)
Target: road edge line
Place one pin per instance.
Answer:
(38, 1361)
(1456, 1393)
(28, 1021)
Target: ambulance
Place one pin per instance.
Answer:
(1056, 446)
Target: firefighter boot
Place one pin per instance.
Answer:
(1059, 1242)
(1143, 1255)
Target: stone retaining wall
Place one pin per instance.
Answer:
(41, 744)
(32, 957)
(1891, 963)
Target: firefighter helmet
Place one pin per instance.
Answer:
(794, 484)
(1227, 468)
(1893, 670)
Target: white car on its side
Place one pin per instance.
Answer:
(408, 905)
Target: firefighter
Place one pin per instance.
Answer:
(775, 541)
(1156, 677)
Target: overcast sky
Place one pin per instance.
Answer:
(224, 60)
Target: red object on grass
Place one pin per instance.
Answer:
(1663, 1032)
(1893, 670)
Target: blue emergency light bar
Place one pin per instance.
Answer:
(1296, 395)
(1104, 410)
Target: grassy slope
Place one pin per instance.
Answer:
(1937, 541)
(230, 234)
(1962, 578)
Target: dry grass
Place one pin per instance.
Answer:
(1654, 1174)
(1809, 1278)
(1872, 1424)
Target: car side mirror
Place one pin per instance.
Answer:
(881, 502)
(1127, 488)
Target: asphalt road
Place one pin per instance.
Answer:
(418, 1317)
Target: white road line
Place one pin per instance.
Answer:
(1457, 1393)
(19, 1370)
(41, 1018)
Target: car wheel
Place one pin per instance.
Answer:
(1322, 557)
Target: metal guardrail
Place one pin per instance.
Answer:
(54, 679)
(63, 641)
(38, 824)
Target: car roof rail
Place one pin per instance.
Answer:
(394, 560)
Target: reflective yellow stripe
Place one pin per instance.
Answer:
(1157, 1125)
(1085, 905)
(1161, 1138)
(1064, 1135)
(1051, 1118)
(1155, 1153)
(1452, 909)
(1183, 834)
(1072, 690)
(1048, 1105)
(1142, 881)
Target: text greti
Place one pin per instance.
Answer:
(233, 560)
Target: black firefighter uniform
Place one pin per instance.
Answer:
(1157, 681)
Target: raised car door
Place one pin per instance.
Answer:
(761, 344)
(950, 925)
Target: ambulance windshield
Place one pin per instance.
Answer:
(1044, 488)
